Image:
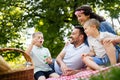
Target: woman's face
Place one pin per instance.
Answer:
(82, 18)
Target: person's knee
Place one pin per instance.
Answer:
(42, 78)
(54, 75)
(84, 59)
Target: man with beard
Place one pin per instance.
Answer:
(69, 61)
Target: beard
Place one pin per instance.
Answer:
(71, 41)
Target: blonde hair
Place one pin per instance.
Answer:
(34, 34)
(92, 22)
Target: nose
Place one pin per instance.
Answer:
(70, 36)
(79, 19)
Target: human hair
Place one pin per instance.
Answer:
(87, 10)
(34, 34)
(81, 31)
(92, 22)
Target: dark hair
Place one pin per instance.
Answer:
(81, 31)
(88, 11)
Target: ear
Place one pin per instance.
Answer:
(81, 37)
(94, 26)
(88, 16)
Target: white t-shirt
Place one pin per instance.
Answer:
(95, 43)
(38, 55)
(72, 57)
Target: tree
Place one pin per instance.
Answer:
(55, 18)
(11, 25)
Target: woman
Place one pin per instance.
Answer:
(85, 13)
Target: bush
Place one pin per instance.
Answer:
(112, 74)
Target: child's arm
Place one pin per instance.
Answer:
(28, 50)
(91, 53)
(114, 40)
(48, 60)
(117, 39)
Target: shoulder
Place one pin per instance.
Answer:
(85, 47)
(106, 26)
(90, 38)
(45, 48)
(69, 45)
(105, 23)
(107, 34)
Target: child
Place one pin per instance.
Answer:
(98, 46)
(41, 58)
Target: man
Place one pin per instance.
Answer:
(69, 60)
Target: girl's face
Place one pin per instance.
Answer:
(88, 30)
(82, 18)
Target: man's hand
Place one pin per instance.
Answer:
(71, 72)
(65, 69)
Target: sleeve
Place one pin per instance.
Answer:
(31, 53)
(105, 26)
(65, 48)
(90, 43)
(107, 34)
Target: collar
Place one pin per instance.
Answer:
(79, 46)
(38, 47)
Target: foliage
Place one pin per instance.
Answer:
(113, 74)
(11, 22)
(55, 18)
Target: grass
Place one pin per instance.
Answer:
(112, 74)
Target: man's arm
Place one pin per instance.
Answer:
(60, 57)
(62, 65)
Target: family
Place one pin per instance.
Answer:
(92, 46)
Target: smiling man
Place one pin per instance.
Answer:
(69, 60)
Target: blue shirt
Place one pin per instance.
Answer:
(105, 26)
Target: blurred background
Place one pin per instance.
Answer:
(55, 18)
